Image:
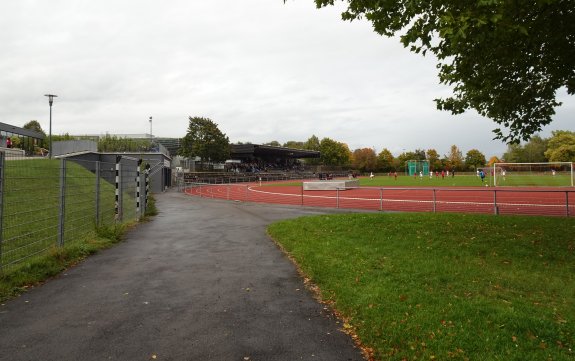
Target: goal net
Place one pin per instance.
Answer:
(552, 174)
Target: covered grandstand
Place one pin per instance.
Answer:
(265, 157)
(250, 152)
(254, 161)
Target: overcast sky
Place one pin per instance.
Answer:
(261, 69)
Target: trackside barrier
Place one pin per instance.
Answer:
(182, 179)
(499, 201)
(47, 203)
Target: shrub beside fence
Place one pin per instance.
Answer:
(47, 203)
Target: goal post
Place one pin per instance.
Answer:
(549, 174)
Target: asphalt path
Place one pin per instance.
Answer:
(201, 281)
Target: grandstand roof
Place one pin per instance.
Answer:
(241, 151)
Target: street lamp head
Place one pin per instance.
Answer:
(50, 98)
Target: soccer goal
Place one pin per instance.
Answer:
(552, 174)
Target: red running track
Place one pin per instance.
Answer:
(528, 201)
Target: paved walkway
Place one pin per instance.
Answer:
(201, 281)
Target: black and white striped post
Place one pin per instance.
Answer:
(147, 185)
(138, 214)
(118, 215)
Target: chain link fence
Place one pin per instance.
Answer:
(48, 203)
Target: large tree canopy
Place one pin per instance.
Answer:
(334, 153)
(434, 161)
(505, 59)
(312, 143)
(474, 159)
(205, 140)
(35, 126)
(561, 146)
(454, 160)
(532, 152)
(385, 160)
(364, 159)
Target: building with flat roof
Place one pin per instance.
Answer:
(27, 140)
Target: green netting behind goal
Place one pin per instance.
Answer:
(413, 167)
(558, 174)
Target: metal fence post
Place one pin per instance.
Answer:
(143, 192)
(138, 209)
(97, 172)
(434, 202)
(495, 209)
(337, 197)
(302, 193)
(61, 216)
(228, 192)
(118, 209)
(2, 164)
(381, 199)
(566, 202)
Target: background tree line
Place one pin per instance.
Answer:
(205, 140)
(560, 147)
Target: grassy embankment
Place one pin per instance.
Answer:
(30, 221)
(444, 286)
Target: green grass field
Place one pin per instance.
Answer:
(444, 286)
(534, 180)
(457, 181)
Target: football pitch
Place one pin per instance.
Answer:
(464, 180)
(515, 180)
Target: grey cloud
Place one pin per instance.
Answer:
(263, 70)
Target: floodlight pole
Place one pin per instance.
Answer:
(151, 136)
(50, 101)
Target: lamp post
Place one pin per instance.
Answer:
(50, 101)
(151, 136)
